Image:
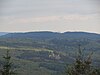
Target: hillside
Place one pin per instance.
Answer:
(47, 34)
(48, 52)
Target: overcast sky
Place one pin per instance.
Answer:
(49, 15)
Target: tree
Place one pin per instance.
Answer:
(82, 65)
(7, 66)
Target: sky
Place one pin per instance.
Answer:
(50, 15)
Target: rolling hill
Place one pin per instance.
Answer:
(47, 34)
(46, 53)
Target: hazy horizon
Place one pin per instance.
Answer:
(50, 15)
(48, 31)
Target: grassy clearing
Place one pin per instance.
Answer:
(22, 48)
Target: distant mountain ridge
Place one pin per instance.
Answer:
(3, 33)
(47, 34)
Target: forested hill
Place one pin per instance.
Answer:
(47, 53)
(48, 35)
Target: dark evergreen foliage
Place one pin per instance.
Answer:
(82, 65)
(7, 66)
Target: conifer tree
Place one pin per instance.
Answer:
(7, 66)
(82, 65)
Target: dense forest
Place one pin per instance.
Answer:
(48, 53)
